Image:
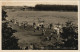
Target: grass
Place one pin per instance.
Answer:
(29, 36)
(47, 16)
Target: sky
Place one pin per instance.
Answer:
(33, 3)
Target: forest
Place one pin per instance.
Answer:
(56, 7)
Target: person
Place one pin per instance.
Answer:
(19, 24)
(12, 20)
(48, 38)
(42, 26)
(51, 34)
(51, 25)
(38, 26)
(26, 24)
(15, 21)
(43, 31)
(35, 27)
(56, 31)
(31, 47)
(34, 24)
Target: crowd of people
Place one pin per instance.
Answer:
(39, 26)
(56, 29)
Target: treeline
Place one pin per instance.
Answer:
(56, 7)
(42, 7)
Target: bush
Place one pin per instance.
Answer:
(70, 35)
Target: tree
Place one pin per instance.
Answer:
(4, 15)
(70, 35)
(8, 42)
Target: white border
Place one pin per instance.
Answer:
(41, 50)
